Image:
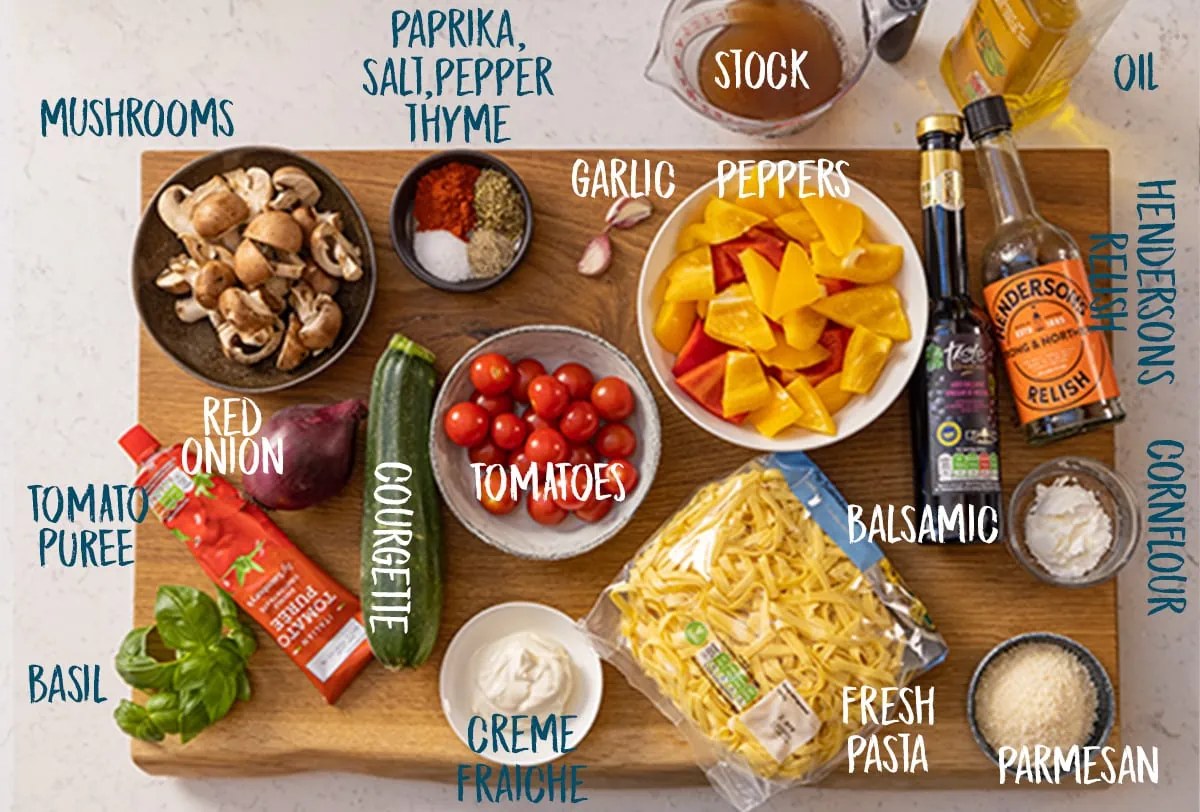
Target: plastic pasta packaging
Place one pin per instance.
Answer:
(747, 613)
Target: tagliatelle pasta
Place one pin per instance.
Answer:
(748, 621)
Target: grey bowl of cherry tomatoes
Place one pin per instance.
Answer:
(545, 439)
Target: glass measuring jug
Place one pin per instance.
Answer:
(690, 28)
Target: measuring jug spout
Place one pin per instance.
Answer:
(881, 16)
(658, 70)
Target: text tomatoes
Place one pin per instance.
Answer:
(613, 398)
(466, 424)
(577, 378)
(526, 370)
(615, 440)
(508, 431)
(548, 396)
(620, 478)
(579, 422)
(492, 373)
(546, 445)
(494, 500)
(493, 404)
(487, 453)
(542, 509)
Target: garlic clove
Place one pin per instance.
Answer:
(628, 212)
(596, 256)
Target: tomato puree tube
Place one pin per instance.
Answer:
(312, 617)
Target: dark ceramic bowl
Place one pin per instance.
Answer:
(1106, 699)
(404, 226)
(195, 347)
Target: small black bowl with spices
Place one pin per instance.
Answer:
(461, 220)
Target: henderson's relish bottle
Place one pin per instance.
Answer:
(1039, 298)
(952, 398)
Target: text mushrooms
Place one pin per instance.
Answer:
(334, 253)
(261, 263)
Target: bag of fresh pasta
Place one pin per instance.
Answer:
(747, 613)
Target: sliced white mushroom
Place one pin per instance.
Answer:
(252, 185)
(318, 280)
(246, 312)
(246, 348)
(175, 209)
(293, 188)
(293, 352)
(273, 293)
(320, 317)
(179, 275)
(189, 310)
(203, 251)
(332, 251)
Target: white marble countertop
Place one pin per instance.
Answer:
(293, 72)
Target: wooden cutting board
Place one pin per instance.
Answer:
(392, 723)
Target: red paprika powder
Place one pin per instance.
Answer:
(445, 199)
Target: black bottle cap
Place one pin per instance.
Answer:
(987, 116)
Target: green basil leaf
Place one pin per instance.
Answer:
(187, 619)
(227, 655)
(219, 694)
(137, 722)
(192, 716)
(193, 671)
(245, 641)
(164, 710)
(244, 686)
(138, 667)
(228, 609)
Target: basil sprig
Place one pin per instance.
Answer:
(192, 663)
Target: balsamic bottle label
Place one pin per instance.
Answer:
(964, 436)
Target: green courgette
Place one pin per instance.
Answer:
(401, 565)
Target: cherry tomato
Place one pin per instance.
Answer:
(527, 369)
(493, 405)
(581, 454)
(519, 463)
(577, 378)
(466, 424)
(492, 373)
(615, 440)
(620, 478)
(488, 453)
(548, 396)
(564, 494)
(595, 509)
(612, 398)
(508, 431)
(579, 422)
(542, 508)
(503, 502)
(546, 445)
(533, 422)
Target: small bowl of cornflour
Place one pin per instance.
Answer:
(1073, 521)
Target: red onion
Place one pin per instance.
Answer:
(318, 454)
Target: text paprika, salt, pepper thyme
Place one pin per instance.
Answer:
(445, 199)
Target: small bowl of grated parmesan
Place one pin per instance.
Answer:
(1073, 521)
(1036, 697)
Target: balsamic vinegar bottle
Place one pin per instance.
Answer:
(952, 396)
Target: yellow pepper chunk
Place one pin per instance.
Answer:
(733, 318)
(840, 221)
(785, 356)
(797, 286)
(746, 387)
(761, 276)
(764, 197)
(702, 308)
(876, 307)
(799, 225)
(692, 237)
(723, 221)
(779, 412)
(802, 328)
(690, 276)
(866, 355)
(673, 325)
(867, 263)
(832, 394)
(813, 414)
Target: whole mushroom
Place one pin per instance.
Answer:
(276, 229)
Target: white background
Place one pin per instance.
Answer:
(293, 72)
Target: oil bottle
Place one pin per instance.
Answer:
(1039, 298)
(1029, 51)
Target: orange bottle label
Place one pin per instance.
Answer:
(1056, 359)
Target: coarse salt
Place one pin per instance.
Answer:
(1067, 530)
(443, 254)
